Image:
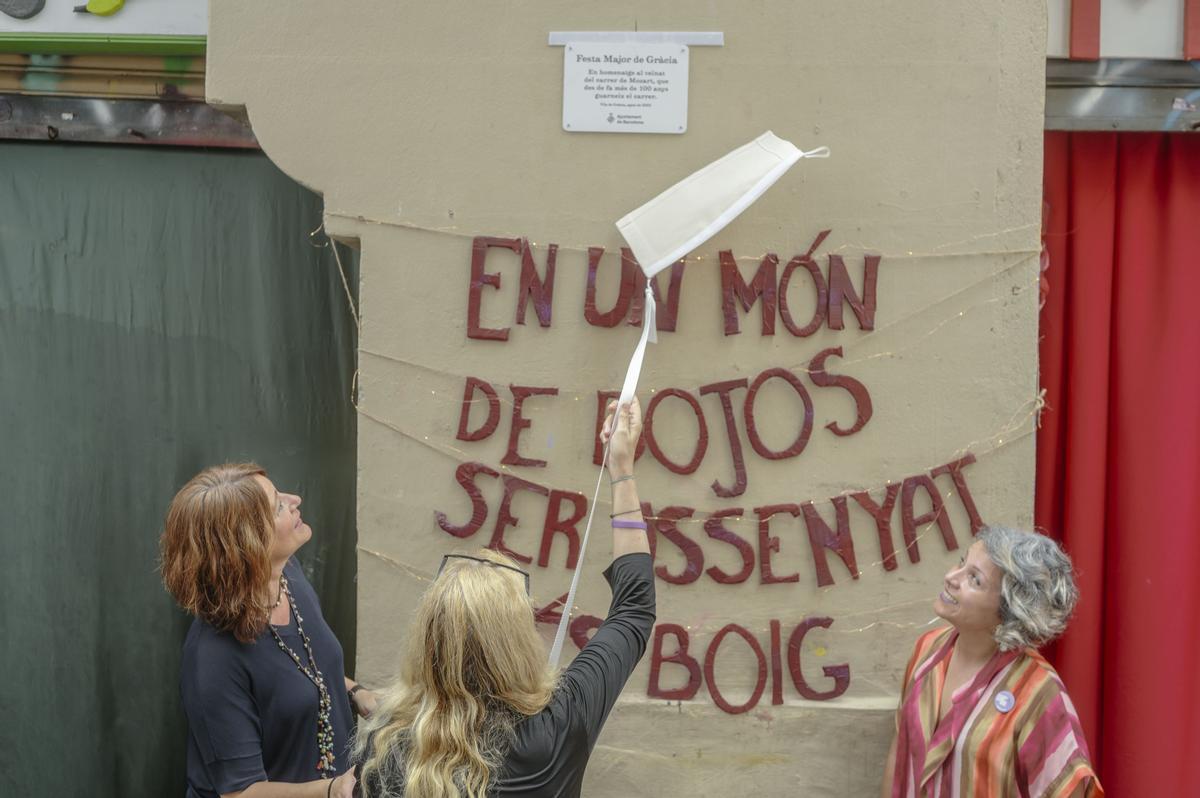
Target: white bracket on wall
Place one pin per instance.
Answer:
(690, 38)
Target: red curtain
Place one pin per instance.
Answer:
(1118, 453)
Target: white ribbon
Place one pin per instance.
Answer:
(660, 233)
(649, 335)
(698, 207)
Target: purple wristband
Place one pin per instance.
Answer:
(622, 524)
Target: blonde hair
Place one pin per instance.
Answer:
(473, 666)
(1037, 592)
(216, 546)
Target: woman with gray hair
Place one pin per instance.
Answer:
(981, 712)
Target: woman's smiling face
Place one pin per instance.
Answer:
(970, 597)
(290, 530)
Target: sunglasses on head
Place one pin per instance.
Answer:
(446, 557)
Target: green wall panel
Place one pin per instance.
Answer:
(160, 310)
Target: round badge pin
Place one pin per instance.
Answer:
(1005, 701)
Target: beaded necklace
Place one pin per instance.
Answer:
(325, 762)
(278, 597)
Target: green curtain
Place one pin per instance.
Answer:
(160, 311)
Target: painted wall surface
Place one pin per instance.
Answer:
(141, 17)
(426, 127)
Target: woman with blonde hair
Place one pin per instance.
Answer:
(267, 703)
(981, 713)
(476, 710)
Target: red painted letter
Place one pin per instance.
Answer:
(722, 389)
(768, 543)
(534, 287)
(520, 393)
(493, 411)
(505, 518)
(665, 524)
(937, 512)
(479, 278)
(667, 313)
(565, 526)
(734, 287)
(883, 521)
(627, 291)
(680, 657)
(839, 673)
(858, 391)
(718, 531)
(821, 537)
(701, 433)
(841, 289)
(710, 659)
(806, 423)
(960, 484)
(465, 474)
(822, 291)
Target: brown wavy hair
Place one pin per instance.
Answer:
(216, 548)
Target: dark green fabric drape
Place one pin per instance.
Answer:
(160, 311)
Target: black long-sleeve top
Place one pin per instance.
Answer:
(550, 750)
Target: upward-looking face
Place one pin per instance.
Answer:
(290, 530)
(970, 597)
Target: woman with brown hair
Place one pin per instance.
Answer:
(262, 681)
(477, 711)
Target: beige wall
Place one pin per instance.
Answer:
(424, 126)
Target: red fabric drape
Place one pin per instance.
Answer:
(1118, 460)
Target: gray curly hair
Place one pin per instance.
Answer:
(1038, 591)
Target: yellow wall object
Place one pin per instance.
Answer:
(104, 8)
(429, 128)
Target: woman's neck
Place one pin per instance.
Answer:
(280, 611)
(274, 584)
(975, 647)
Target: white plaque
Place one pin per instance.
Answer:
(625, 88)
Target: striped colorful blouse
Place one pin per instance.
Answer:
(1012, 731)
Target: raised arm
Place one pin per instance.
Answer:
(597, 675)
(622, 445)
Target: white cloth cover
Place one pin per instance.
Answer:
(698, 207)
(664, 230)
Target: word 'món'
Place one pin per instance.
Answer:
(769, 285)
